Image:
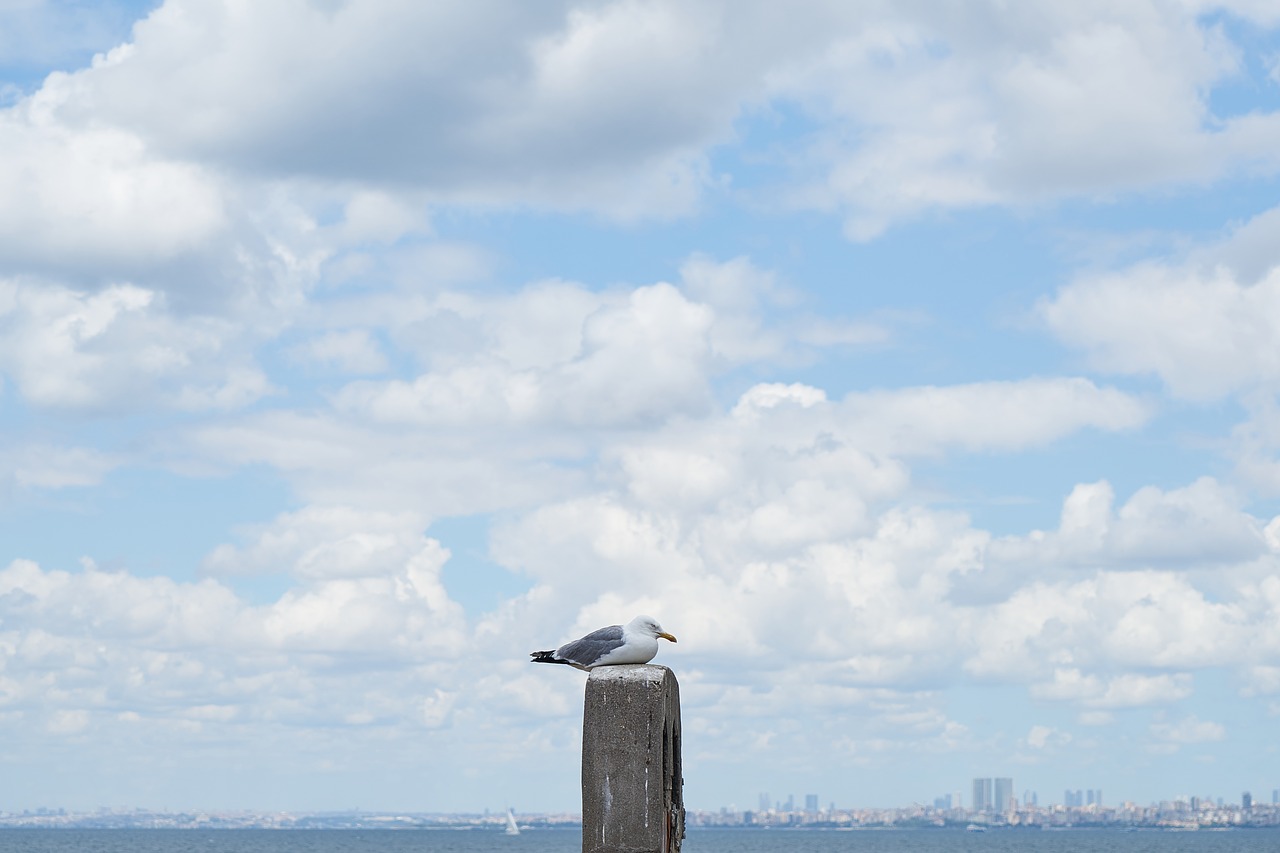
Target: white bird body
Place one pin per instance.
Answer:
(635, 642)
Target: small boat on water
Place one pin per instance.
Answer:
(512, 829)
(975, 827)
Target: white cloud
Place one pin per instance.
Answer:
(1204, 334)
(1121, 619)
(1200, 524)
(1189, 730)
(437, 708)
(615, 107)
(596, 359)
(977, 417)
(372, 216)
(67, 721)
(95, 199)
(321, 542)
(537, 119)
(118, 347)
(1262, 681)
(1046, 737)
(349, 351)
(778, 528)
(51, 467)
(436, 473)
(1096, 718)
(767, 518)
(1127, 691)
(239, 387)
(987, 416)
(764, 509)
(1121, 691)
(999, 106)
(194, 655)
(556, 353)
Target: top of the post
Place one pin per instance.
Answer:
(631, 673)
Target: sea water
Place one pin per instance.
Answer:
(569, 841)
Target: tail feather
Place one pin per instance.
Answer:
(547, 657)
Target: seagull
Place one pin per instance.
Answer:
(635, 642)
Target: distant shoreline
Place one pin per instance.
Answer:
(576, 827)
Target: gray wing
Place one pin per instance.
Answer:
(589, 649)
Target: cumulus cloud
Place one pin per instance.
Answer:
(321, 542)
(556, 352)
(989, 416)
(1203, 333)
(1189, 730)
(45, 466)
(1121, 691)
(92, 199)
(1119, 620)
(536, 120)
(568, 373)
(993, 90)
(765, 509)
(918, 109)
(349, 351)
(119, 347)
(1046, 737)
(744, 528)
(757, 516)
(1201, 325)
(147, 640)
(334, 462)
(1199, 524)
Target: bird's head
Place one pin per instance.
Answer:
(649, 625)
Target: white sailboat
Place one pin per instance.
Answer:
(512, 829)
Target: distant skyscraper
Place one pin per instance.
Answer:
(1088, 797)
(1275, 796)
(765, 803)
(1246, 801)
(982, 796)
(811, 803)
(1003, 795)
(791, 803)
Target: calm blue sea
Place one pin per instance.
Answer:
(696, 842)
(569, 841)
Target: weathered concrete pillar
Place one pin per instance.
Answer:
(632, 782)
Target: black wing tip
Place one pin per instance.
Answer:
(547, 657)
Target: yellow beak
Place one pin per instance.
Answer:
(666, 636)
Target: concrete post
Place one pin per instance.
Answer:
(632, 782)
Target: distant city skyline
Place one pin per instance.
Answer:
(1073, 800)
(1180, 813)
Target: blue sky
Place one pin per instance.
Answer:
(914, 366)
